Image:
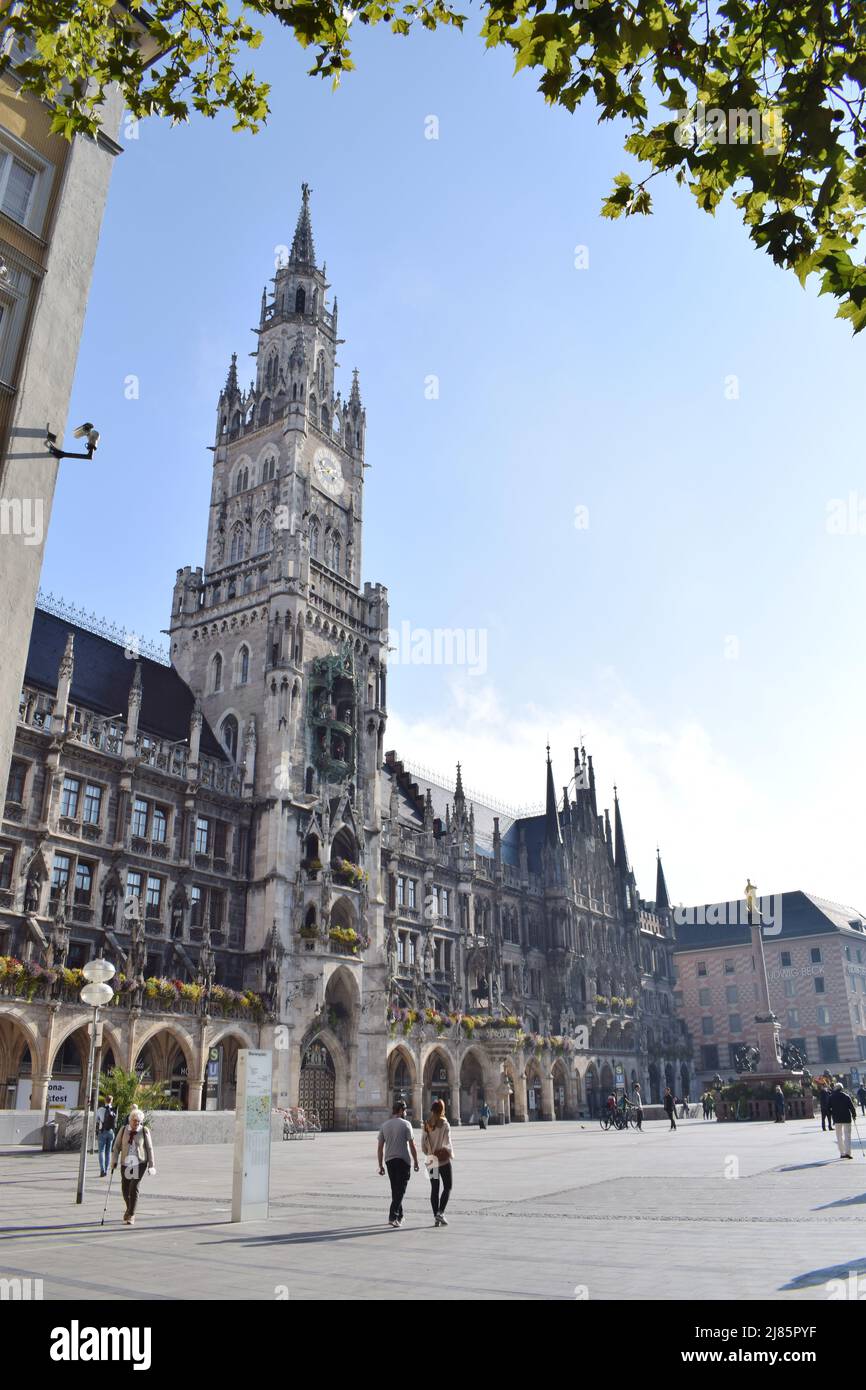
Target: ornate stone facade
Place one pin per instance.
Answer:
(401, 936)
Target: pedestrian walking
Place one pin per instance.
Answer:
(637, 1105)
(779, 1105)
(843, 1110)
(436, 1145)
(711, 1101)
(133, 1149)
(685, 1107)
(861, 1096)
(824, 1102)
(106, 1123)
(670, 1106)
(396, 1143)
(483, 1115)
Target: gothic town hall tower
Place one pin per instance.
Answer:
(284, 651)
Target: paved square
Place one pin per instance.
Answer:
(537, 1211)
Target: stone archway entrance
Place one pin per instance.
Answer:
(592, 1092)
(472, 1089)
(561, 1104)
(533, 1096)
(436, 1083)
(318, 1083)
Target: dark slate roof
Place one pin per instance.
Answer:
(442, 796)
(102, 676)
(801, 914)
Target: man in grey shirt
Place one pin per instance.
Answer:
(395, 1146)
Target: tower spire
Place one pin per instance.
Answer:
(551, 817)
(663, 903)
(231, 386)
(303, 252)
(620, 855)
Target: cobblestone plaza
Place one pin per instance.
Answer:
(541, 1212)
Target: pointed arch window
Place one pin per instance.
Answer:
(337, 551)
(265, 411)
(263, 539)
(242, 481)
(237, 550)
(229, 735)
(300, 299)
(320, 369)
(314, 407)
(269, 470)
(216, 668)
(243, 666)
(326, 419)
(314, 538)
(271, 371)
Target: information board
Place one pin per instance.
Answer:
(252, 1161)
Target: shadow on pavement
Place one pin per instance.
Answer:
(843, 1202)
(822, 1276)
(795, 1167)
(310, 1237)
(112, 1223)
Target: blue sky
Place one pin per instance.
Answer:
(702, 631)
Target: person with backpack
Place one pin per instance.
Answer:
(106, 1123)
(843, 1111)
(483, 1114)
(133, 1149)
(437, 1146)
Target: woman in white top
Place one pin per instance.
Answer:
(436, 1144)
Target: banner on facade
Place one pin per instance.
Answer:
(252, 1162)
(62, 1095)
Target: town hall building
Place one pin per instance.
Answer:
(229, 827)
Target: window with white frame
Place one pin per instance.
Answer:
(140, 810)
(92, 803)
(69, 797)
(133, 883)
(18, 184)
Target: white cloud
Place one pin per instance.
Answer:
(716, 822)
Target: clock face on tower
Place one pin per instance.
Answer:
(327, 473)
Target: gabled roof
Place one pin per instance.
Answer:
(800, 914)
(102, 676)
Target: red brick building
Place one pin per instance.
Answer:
(815, 953)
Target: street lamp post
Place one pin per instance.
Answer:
(97, 991)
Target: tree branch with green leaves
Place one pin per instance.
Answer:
(760, 102)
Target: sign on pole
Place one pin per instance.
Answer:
(252, 1167)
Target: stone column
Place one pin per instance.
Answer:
(520, 1103)
(417, 1103)
(548, 1109)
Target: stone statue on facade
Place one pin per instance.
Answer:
(136, 958)
(58, 946)
(273, 959)
(109, 908)
(32, 894)
(206, 969)
(391, 948)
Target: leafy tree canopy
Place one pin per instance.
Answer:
(759, 101)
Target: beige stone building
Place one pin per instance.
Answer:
(52, 198)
